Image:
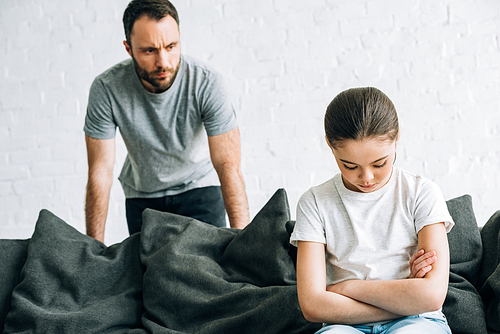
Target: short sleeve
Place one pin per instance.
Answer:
(217, 111)
(431, 207)
(99, 121)
(309, 225)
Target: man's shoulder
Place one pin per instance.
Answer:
(197, 67)
(117, 72)
(195, 62)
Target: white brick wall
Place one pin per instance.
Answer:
(439, 61)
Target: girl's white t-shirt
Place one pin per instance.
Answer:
(369, 236)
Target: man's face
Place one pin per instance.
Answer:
(156, 50)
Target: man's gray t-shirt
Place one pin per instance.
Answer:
(165, 134)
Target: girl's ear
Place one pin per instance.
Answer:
(328, 143)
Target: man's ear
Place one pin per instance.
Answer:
(128, 48)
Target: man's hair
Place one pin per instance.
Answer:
(360, 113)
(154, 9)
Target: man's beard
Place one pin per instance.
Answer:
(160, 84)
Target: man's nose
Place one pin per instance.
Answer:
(163, 59)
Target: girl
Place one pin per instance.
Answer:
(356, 232)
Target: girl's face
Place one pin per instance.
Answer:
(366, 165)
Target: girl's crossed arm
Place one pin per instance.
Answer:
(408, 296)
(360, 301)
(319, 305)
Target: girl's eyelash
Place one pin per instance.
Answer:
(376, 166)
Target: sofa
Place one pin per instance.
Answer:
(179, 275)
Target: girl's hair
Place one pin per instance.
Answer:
(360, 113)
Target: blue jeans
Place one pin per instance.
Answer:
(205, 204)
(414, 324)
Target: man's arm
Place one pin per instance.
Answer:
(101, 159)
(225, 153)
(413, 295)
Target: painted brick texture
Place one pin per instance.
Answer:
(284, 60)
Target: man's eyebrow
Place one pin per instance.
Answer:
(352, 163)
(153, 47)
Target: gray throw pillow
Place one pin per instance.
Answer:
(71, 283)
(202, 279)
(12, 258)
(489, 275)
(463, 306)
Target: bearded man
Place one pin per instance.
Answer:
(178, 125)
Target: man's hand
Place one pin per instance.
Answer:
(421, 263)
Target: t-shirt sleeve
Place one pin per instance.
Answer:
(431, 207)
(99, 121)
(308, 226)
(218, 114)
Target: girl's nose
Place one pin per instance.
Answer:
(366, 175)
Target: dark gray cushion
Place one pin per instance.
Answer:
(202, 279)
(489, 275)
(71, 283)
(12, 258)
(463, 306)
(466, 248)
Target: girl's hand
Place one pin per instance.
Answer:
(421, 263)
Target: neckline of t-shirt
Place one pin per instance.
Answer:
(345, 192)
